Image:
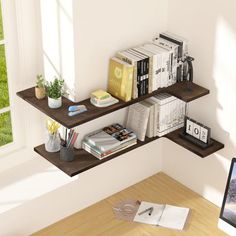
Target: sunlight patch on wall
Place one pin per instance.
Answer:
(224, 71)
(58, 41)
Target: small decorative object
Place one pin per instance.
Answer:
(197, 133)
(101, 98)
(40, 87)
(188, 65)
(67, 146)
(52, 143)
(126, 209)
(54, 91)
(76, 109)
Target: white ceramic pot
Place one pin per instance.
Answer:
(54, 103)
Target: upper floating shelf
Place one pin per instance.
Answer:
(187, 91)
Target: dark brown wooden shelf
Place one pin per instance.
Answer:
(83, 160)
(186, 91)
(175, 137)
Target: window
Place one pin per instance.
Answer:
(5, 112)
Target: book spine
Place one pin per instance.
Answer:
(147, 76)
(126, 59)
(139, 79)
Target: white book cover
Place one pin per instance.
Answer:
(144, 78)
(164, 62)
(157, 66)
(165, 65)
(162, 215)
(170, 61)
(182, 50)
(149, 132)
(137, 119)
(174, 57)
(155, 114)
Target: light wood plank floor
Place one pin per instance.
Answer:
(160, 188)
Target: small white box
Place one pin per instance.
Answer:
(204, 134)
(196, 130)
(189, 127)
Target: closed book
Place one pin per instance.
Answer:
(110, 137)
(120, 80)
(134, 61)
(92, 150)
(143, 71)
(137, 119)
(182, 50)
(150, 71)
(156, 66)
(149, 131)
(173, 49)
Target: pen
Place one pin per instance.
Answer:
(150, 209)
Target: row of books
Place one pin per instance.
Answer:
(156, 116)
(140, 70)
(109, 140)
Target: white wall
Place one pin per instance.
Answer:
(210, 27)
(106, 26)
(100, 29)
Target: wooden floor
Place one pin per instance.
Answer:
(160, 188)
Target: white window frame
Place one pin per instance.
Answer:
(10, 42)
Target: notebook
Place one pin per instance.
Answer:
(162, 215)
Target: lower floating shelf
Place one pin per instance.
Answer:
(85, 161)
(175, 137)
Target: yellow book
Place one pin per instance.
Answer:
(120, 79)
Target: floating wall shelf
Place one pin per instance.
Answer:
(186, 91)
(180, 90)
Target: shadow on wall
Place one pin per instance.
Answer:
(210, 27)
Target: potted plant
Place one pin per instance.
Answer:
(40, 87)
(54, 91)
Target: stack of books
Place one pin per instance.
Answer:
(156, 116)
(109, 140)
(140, 70)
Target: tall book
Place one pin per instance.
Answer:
(150, 124)
(150, 56)
(136, 62)
(164, 63)
(155, 66)
(143, 71)
(182, 51)
(173, 48)
(137, 119)
(120, 79)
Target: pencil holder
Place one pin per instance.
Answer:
(67, 154)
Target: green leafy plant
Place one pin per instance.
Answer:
(54, 89)
(40, 82)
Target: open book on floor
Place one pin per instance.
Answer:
(162, 215)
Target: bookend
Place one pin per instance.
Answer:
(188, 71)
(196, 133)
